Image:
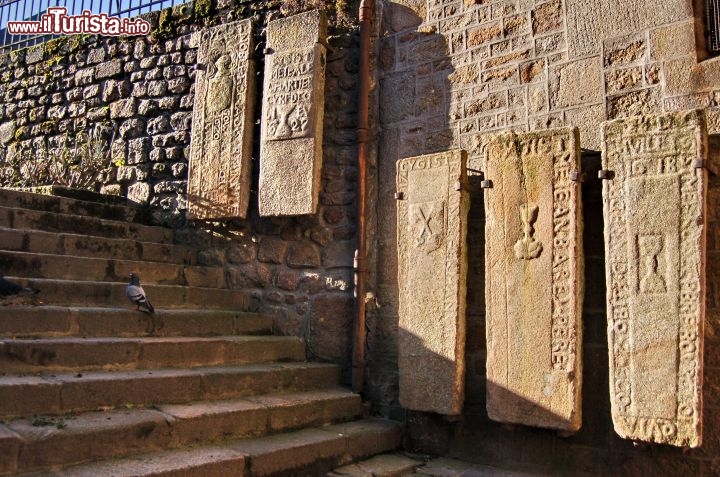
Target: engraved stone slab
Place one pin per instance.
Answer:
(533, 278)
(654, 209)
(292, 115)
(432, 268)
(221, 145)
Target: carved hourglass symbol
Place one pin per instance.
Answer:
(650, 247)
(284, 110)
(528, 247)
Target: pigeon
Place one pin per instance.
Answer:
(8, 287)
(136, 294)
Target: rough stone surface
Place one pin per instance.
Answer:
(221, 146)
(7, 132)
(534, 278)
(432, 267)
(655, 213)
(292, 115)
(576, 83)
(592, 20)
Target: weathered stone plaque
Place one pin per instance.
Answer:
(533, 278)
(432, 267)
(221, 145)
(292, 115)
(654, 207)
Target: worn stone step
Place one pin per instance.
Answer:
(65, 205)
(58, 393)
(66, 440)
(68, 267)
(309, 452)
(84, 354)
(27, 219)
(383, 465)
(112, 294)
(55, 321)
(38, 241)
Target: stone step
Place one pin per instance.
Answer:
(60, 393)
(37, 241)
(85, 354)
(56, 321)
(309, 452)
(383, 465)
(112, 294)
(27, 219)
(65, 205)
(68, 267)
(67, 440)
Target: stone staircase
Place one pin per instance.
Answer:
(91, 387)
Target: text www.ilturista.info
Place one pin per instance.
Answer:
(56, 21)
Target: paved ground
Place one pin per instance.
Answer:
(400, 465)
(443, 467)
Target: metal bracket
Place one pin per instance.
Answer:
(486, 184)
(576, 176)
(699, 164)
(606, 174)
(399, 195)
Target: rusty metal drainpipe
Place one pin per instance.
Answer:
(358, 372)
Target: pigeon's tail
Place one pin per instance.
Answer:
(148, 306)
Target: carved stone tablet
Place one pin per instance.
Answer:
(221, 148)
(432, 267)
(292, 114)
(654, 208)
(533, 278)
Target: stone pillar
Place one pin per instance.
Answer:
(222, 128)
(432, 267)
(533, 278)
(654, 208)
(292, 115)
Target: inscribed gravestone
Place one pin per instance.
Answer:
(432, 268)
(292, 115)
(221, 148)
(533, 278)
(654, 210)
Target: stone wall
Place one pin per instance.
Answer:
(471, 67)
(137, 93)
(133, 95)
